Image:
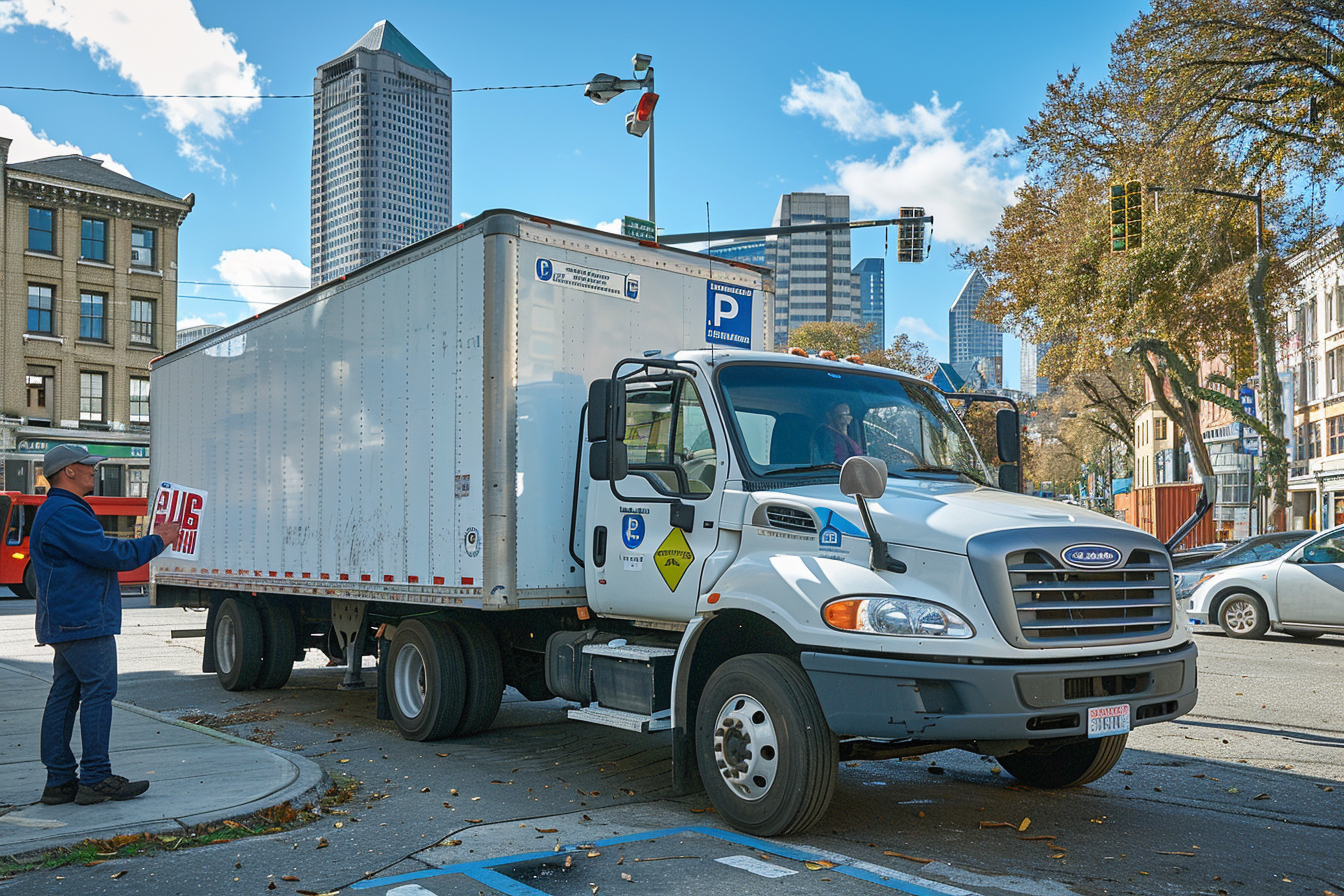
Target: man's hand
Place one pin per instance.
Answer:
(168, 532)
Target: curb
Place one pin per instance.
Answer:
(309, 778)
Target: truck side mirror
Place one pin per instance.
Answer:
(599, 396)
(1006, 434)
(864, 476)
(608, 460)
(1008, 478)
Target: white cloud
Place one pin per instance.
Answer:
(186, 323)
(917, 328)
(160, 48)
(960, 182)
(264, 277)
(29, 145)
(612, 226)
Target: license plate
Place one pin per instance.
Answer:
(1104, 721)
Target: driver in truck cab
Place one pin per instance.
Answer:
(832, 443)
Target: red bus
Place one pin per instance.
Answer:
(121, 518)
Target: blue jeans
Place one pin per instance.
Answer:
(85, 681)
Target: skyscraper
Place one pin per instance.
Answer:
(1032, 383)
(812, 275)
(382, 152)
(746, 250)
(976, 346)
(870, 278)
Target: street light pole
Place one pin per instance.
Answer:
(603, 88)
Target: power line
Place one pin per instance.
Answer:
(304, 286)
(252, 96)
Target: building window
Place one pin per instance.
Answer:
(137, 482)
(41, 230)
(92, 397)
(39, 381)
(142, 321)
(139, 399)
(1159, 428)
(92, 308)
(1335, 435)
(93, 239)
(142, 247)
(39, 309)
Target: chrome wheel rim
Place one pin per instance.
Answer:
(746, 747)
(1240, 615)
(226, 646)
(409, 681)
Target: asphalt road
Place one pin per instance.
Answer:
(1243, 796)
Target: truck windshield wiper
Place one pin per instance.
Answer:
(811, 468)
(956, 470)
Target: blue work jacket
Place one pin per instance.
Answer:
(77, 565)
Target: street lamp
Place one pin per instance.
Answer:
(603, 88)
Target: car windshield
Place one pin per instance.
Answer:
(806, 419)
(1256, 549)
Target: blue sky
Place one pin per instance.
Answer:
(895, 103)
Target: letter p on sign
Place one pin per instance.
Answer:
(725, 308)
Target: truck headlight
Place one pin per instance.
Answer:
(895, 616)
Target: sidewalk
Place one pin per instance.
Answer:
(196, 775)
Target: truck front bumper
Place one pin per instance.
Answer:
(901, 699)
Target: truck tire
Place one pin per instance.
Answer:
(238, 641)
(1068, 765)
(1243, 615)
(767, 758)
(426, 680)
(278, 644)
(485, 675)
(27, 589)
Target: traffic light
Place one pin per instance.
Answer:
(1134, 215)
(910, 237)
(1126, 216)
(637, 123)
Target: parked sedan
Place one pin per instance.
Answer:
(1301, 593)
(1260, 547)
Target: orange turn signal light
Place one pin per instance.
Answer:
(843, 614)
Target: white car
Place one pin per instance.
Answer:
(1300, 593)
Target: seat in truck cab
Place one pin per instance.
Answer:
(791, 440)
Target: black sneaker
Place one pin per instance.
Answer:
(113, 787)
(60, 793)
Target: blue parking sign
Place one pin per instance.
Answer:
(728, 314)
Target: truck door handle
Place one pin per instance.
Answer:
(600, 546)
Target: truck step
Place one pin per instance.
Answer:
(614, 718)
(628, 651)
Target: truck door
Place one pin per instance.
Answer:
(651, 530)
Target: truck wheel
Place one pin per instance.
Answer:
(27, 589)
(1069, 765)
(278, 645)
(485, 675)
(426, 680)
(1243, 616)
(766, 755)
(238, 642)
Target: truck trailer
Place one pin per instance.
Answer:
(526, 453)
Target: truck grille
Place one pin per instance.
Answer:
(1060, 605)
(791, 518)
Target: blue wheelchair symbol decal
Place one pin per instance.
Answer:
(544, 269)
(632, 530)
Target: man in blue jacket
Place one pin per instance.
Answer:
(78, 613)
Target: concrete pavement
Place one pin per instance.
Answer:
(196, 774)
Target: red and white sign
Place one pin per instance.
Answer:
(180, 504)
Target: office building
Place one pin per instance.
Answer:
(382, 152)
(813, 281)
(870, 281)
(1032, 383)
(88, 294)
(747, 251)
(976, 346)
(188, 335)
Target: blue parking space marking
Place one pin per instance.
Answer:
(483, 872)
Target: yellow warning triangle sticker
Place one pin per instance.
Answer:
(673, 557)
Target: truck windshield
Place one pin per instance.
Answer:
(795, 420)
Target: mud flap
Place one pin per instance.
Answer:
(384, 710)
(685, 771)
(208, 654)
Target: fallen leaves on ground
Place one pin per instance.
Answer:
(901, 855)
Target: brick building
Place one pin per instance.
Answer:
(88, 296)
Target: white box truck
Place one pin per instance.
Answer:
(527, 453)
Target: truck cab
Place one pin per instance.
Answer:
(801, 618)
